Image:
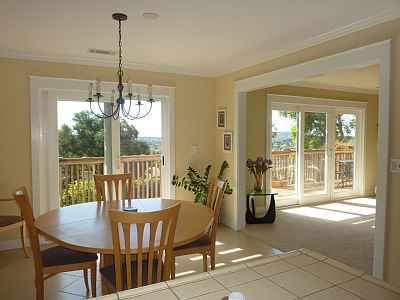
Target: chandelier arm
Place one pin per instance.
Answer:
(124, 112)
(128, 116)
(151, 105)
(104, 115)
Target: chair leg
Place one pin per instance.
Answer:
(205, 267)
(93, 271)
(173, 266)
(39, 288)
(23, 238)
(212, 255)
(85, 277)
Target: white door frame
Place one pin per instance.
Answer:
(44, 93)
(378, 53)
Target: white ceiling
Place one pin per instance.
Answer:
(202, 37)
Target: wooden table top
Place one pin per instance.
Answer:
(86, 227)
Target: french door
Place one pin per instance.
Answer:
(316, 149)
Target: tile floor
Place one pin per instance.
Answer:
(17, 272)
(311, 276)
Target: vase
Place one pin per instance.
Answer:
(258, 184)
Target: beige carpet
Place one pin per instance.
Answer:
(343, 231)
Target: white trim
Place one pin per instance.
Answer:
(339, 32)
(322, 86)
(334, 34)
(104, 63)
(45, 92)
(311, 101)
(378, 53)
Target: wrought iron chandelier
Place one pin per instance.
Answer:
(118, 106)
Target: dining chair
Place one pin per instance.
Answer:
(149, 236)
(205, 245)
(120, 185)
(8, 222)
(57, 259)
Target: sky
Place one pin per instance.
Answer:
(281, 124)
(148, 126)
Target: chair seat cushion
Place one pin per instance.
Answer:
(109, 273)
(205, 240)
(58, 256)
(8, 220)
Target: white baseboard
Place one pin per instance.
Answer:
(227, 222)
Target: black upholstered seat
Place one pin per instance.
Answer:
(8, 220)
(205, 240)
(109, 273)
(57, 256)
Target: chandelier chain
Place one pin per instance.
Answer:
(120, 72)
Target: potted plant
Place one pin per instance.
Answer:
(199, 184)
(258, 167)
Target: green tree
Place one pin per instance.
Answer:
(315, 128)
(86, 138)
(129, 143)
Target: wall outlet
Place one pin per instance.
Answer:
(395, 165)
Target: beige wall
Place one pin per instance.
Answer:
(389, 30)
(194, 118)
(256, 123)
(197, 99)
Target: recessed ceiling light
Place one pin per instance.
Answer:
(150, 16)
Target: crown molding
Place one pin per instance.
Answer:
(104, 63)
(345, 30)
(313, 85)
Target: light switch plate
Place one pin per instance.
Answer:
(395, 165)
(194, 150)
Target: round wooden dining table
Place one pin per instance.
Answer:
(86, 227)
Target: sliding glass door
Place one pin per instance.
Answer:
(316, 151)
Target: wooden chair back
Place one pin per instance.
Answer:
(22, 198)
(120, 185)
(155, 232)
(214, 201)
(14, 222)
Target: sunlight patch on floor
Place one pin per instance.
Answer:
(365, 221)
(320, 213)
(362, 201)
(219, 265)
(246, 258)
(196, 258)
(347, 208)
(230, 251)
(185, 273)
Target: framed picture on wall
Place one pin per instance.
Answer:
(221, 118)
(227, 141)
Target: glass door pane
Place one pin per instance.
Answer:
(345, 149)
(315, 153)
(284, 153)
(81, 151)
(140, 145)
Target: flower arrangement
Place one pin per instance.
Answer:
(258, 167)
